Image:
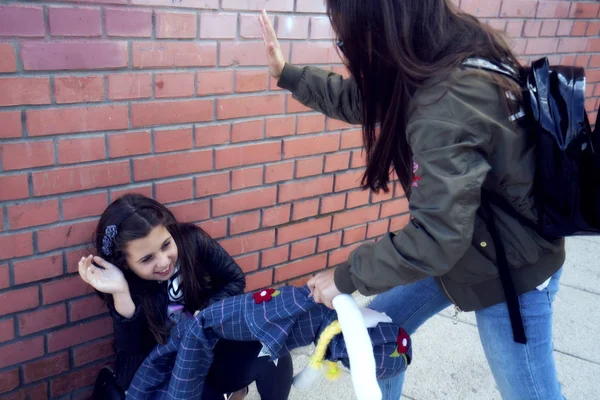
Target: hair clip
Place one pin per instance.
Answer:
(107, 241)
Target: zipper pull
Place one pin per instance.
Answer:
(455, 316)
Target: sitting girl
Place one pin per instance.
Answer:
(154, 272)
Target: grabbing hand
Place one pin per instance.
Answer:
(322, 287)
(274, 54)
(108, 279)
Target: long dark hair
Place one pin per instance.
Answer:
(392, 47)
(135, 216)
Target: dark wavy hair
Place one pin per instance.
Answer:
(135, 216)
(391, 48)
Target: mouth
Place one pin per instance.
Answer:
(165, 271)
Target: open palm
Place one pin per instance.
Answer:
(275, 58)
(108, 279)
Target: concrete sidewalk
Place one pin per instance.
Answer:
(449, 362)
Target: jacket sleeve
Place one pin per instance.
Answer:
(323, 91)
(452, 168)
(226, 276)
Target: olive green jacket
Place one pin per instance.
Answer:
(462, 141)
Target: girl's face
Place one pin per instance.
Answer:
(153, 257)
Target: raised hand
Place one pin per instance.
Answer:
(108, 279)
(274, 54)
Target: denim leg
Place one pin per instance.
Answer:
(409, 307)
(527, 371)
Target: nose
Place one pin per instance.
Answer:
(163, 260)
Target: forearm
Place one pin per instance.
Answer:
(124, 304)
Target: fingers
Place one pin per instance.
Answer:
(269, 31)
(263, 29)
(102, 262)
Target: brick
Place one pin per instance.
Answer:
(21, 351)
(541, 46)
(593, 29)
(275, 256)
(86, 308)
(498, 24)
(514, 28)
(306, 146)
(88, 55)
(549, 28)
(579, 28)
(572, 45)
(11, 124)
(251, 81)
(171, 25)
(304, 189)
(173, 54)
(250, 106)
(192, 212)
(357, 199)
(216, 228)
(279, 172)
(281, 126)
(37, 392)
(353, 235)
(355, 217)
(333, 203)
(382, 196)
(398, 223)
(314, 53)
(247, 155)
(310, 124)
(481, 8)
(46, 367)
(303, 230)
(351, 139)
(377, 228)
(8, 60)
(66, 235)
(341, 255)
(247, 177)
(303, 249)
(305, 209)
(38, 269)
(310, 6)
(337, 162)
(259, 280)
(584, 10)
(212, 135)
(519, 9)
(210, 185)
(214, 82)
(245, 53)
(19, 300)
(42, 319)
(359, 159)
(74, 380)
(298, 268)
(171, 112)
(565, 27)
(257, 5)
(18, 91)
(309, 167)
(163, 166)
(79, 333)
(294, 106)
(129, 86)
(249, 26)
(198, 4)
(170, 192)
(218, 25)
(144, 190)
(9, 380)
(27, 155)
(16, 245)
(78, 89)
(7, 330)
(93, 352)
(249, 243)
(336, 125)
(53, 121)
(84, 394)
(21, 21)
(128, 23)
(173, 140)
(330, 241)
(292, 27)
(595, 63)
(247, 131)
(72, 179)
(72, 151)
(553, 9)
(276, 216)
(74, 22)
(244, 201)
(129, 144)
(348, 180)
(244, 223)
(174, 85)
(593, 45)
(532, 28)
(320, 28)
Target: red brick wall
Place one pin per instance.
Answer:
(169, 99)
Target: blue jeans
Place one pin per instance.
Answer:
(520, 371)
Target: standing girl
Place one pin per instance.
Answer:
(153, 271)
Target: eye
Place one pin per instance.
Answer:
(166, 245)
(146, 259)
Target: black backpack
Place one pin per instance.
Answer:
(567, 176)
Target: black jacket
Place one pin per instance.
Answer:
(133, 339)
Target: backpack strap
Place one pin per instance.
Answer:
(490, 66)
